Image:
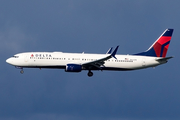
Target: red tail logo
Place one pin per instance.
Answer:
(161, 46)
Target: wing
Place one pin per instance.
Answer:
(100, 62)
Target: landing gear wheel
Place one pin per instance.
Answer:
(21, 71)
(90, 74)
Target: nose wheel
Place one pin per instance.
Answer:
(22, 71)
(90, 74)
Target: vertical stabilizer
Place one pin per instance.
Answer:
(160, 47)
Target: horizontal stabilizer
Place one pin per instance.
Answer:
(164, 59)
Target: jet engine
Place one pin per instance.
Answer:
(73, 68)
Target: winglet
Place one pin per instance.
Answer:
(114, 52)
(109, 51)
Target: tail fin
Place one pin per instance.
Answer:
(160, 46)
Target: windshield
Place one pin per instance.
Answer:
(16, 56)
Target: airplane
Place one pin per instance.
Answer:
(76, 62)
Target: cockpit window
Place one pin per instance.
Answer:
(16, 56)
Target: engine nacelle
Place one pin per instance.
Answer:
(73, 68)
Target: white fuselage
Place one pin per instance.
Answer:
(60, 60)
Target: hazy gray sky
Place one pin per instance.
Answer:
(92, 27)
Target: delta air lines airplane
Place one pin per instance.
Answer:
(76, 62)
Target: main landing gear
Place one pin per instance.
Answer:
(90, 74)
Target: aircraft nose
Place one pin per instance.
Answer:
(9, 61)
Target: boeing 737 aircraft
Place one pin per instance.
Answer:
(76, 62)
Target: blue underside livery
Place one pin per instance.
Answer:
(64, 67)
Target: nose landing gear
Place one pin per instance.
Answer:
(20, 68)
(21, 71)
